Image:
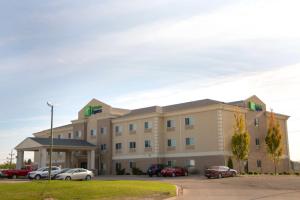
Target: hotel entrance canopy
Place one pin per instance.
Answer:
(60, 145)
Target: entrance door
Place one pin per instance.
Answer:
(83, 165)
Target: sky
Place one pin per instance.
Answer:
(138, 53)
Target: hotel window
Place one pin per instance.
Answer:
(132, 127)
(147, 143)
(118, 166)
(118, 129)
(132, 145)
(258, 163)
(188, 121)
(78, 134)
(103, 147)
(171, 163)
(256, 122)
(170, 124)
(69, 135)
(132, 164)
(118, 146)
(147, 125)
(257, 143)
(103, 130)
(191, 163)
(189, 141)
(171, 143)
(93, 132)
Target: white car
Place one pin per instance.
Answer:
(76, 174)
(43, 173)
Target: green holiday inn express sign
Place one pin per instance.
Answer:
(91, 110)
(255, 107)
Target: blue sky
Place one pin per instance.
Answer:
(139, 53)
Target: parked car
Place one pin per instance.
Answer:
(43, 173)
(14, 173)
(61, 171)
(174, 171)
(155, 169)
(220, 172)
(76, 174)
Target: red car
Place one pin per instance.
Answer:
(14, 173)
(220, 172)
(174, 171)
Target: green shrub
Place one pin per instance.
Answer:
(250, 173)
(137, 171)
(297, 173)
(286, 173)
(255, 173)
(120, 171)
(230, 163)
(280, 173)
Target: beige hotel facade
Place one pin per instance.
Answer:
(194, 134)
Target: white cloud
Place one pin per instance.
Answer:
(278, 88)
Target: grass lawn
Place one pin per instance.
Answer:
(89, 190)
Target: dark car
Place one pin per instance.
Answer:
(220, 172)
(174, 171)
(155, 169)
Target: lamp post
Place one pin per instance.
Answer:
(51, 137)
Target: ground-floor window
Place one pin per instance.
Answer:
(132, 164)
(118, 166)
(258, 163)
(171, 163)
(191, 163)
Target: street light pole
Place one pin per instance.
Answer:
(51, 137)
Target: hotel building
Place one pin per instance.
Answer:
(194, 134)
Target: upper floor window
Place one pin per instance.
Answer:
(103, 130)
(257, 141)
(171, 143)
(147, 143)
(132, 127)
(147, 125)
(132, 145)
(170, 123)
(78, 134)
(93, 132)
(118, 129)
(103, 147)
(118, 146)
(189, 141)
(256, 122)
(188, 121)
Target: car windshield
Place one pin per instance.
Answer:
(41, 169)
(215, 167)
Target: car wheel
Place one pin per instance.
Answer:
(220, 176)
(173, 174)
(37, 177)
(233, 174)
(14, 176)
(88, 178)
(68, 178)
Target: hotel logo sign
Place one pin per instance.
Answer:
(91, 110)
(255, 107)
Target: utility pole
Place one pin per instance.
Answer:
(10, 158)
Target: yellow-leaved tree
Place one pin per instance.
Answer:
(273, 141)
(240, 140)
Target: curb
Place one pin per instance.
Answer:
(179, 192)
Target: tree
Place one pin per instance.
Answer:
(240, 140)
(273, 141)
(230, 163)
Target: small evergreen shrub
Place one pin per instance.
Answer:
(230, 163)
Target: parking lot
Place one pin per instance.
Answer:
(264, 187)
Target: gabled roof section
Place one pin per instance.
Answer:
(147, 110)
(189, 105)
(93, 102)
